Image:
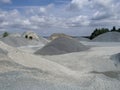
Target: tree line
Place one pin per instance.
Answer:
(99, 31)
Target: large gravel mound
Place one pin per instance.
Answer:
(62, 45)
(108, 37)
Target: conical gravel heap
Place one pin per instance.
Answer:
(62, 45)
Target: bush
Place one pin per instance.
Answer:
(5, 34)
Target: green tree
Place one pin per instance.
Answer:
(97, 32)
(5, 34)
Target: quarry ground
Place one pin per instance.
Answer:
(94, 69)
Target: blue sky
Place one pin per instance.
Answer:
(74, 17)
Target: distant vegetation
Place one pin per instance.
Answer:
(97, 32)
(5, 34)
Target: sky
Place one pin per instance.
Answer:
(73, 17)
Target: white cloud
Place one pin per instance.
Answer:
(6, 1)
(47, 21)
(105, 3)
(96, 9)
(79, 3)
(35, 10)
(42, 9)
(78, 21)
(12, 19)
(101, 15)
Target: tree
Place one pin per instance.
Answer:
(97, 32)
(93, 34)
(113, 29)
(5, 34)
(118, 30)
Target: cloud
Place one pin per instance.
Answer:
(35, 10)
(78, 4)
(81, 14)
(6, 1)
(78, 21)
(96, 9)
(14, 19)
(93, 5)
(101, 15)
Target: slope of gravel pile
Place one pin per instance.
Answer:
(62, 45)
(108, 37)
(116, 59)
(3, 51)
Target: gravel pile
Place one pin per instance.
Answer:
(62, 45)
(108, 37)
